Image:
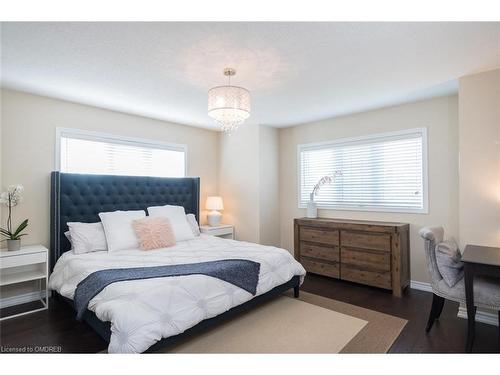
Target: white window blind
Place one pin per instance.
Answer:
(385, 172)
(81, 152)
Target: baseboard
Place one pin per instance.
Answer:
(481, 316)
(21, 298)
(419, 285)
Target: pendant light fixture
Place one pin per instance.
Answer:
(229, 105)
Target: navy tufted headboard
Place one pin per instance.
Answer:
(80, 197)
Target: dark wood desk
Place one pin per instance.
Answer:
(478, 261)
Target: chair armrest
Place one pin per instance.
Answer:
(434, 234)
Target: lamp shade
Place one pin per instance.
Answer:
(229, 105)
(214, 203)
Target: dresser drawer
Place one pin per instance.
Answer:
(377, 241)
(373, 278)
(325, 269)
(330, 237)
(370, 259)
(367, 252)
(21, 260)
(320, 252)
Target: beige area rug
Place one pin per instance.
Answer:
(377, 336)
(311, 324)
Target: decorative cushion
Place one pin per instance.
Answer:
(448, 259)
(154, 232)
(87, 237)
(120, 234)
(193, 224)
(177, 217)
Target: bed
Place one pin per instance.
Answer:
(145, 315)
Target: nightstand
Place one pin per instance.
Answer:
(223, 231)
(30, 263)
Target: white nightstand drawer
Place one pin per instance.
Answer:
(22, 260)
(223, 231)
(218, 232)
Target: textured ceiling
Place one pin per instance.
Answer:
(296, 72)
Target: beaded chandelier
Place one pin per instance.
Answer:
(229, 105)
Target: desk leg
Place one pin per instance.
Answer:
(471, 311)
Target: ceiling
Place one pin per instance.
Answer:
(296, 72)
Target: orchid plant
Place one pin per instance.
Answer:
(11, 198)
(323, 181)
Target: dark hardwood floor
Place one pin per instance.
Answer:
(57, 329)
(448, 335)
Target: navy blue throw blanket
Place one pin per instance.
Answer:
(240, 272)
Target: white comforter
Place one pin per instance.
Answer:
(142, 312)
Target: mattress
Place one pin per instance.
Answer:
(142, 312)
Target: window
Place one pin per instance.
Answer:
(94, 153)
(384, 172)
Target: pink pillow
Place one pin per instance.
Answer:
(154, 232)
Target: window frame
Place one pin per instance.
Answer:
(365, 139)
(117, 139)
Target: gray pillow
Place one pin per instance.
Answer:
(193, 224)
(68, 236)
(449, 263)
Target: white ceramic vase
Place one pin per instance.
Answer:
(312, 208)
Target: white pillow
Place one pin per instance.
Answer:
(177, 216)
(86, 237)
(195, 228)
(118, 229)
(68, 236)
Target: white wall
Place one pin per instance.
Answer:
(439, 116)
(248, 182)
(1, 175)
(28, 146)
(269, 186)
(479, 145)
(255, 171)
(239, 181)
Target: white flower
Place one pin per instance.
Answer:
(15, 189)
(323, 181)
(4, 198)
(13, 195)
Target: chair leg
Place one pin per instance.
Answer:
(440, 308)
(296, 292)
(437, 307)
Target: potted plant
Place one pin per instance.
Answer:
(12, 197)
(312, 207)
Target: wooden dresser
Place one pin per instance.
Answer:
(367, 252)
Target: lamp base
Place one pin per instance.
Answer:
(214, 218)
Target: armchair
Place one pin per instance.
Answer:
(486, 291)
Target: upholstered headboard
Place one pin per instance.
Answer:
(80, 197)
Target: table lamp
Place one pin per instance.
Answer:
(214, 204)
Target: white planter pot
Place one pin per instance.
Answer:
(312, 209)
